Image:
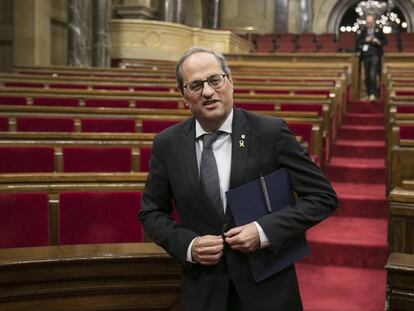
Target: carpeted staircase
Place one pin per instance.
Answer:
(345, 271)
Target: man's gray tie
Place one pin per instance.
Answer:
(209, 174)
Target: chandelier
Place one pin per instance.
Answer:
(376, 8)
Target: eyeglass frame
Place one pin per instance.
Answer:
(204, 81)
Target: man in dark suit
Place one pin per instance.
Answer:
(370, 41)
(211, 250)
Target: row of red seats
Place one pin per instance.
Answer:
(41, 159)
(84, 217)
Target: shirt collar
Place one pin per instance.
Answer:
(225, 127)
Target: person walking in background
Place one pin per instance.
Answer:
(370, 42)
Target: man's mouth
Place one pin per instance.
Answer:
(210, 102)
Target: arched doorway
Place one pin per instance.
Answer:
(341, 7)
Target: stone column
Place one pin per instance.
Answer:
(31, 33)
(306, 15)
(167, 8)
(211, 14)
(101, 33)
(80, 33)
(281, 16)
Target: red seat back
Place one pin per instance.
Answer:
(24, 220)
(13, 100)
(302, 107)
(111, 87)
(108, 125)
(144, 157)
(55, 101)
(405, 109)
(152, 88)
(4, 124)
(156, 126)
(157, 104)
(24, 84)
(27, 159)
(69, 86)
(256, 106)
(99, 217)
(406, 131)
(29, 124)
(109, 103)
(304, 130)
(95, 159)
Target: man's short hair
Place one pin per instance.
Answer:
(179, 67)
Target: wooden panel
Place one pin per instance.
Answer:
(89, 277)
(401, 221)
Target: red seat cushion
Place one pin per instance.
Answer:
(27, 159)
(24, 84)
(95, 159)
(404, 93)
(144, 157)
(151, 88)
(304, 130)
(108, 125)
(68, 86)
(156, 126)
(256, 106)
(270, 91)
(99, 217)
(4, 124)
(28, 124)
(406, 131)
(405, 109)
(109, 103)
(55, 101)
(24, 219)
(111, 87)
(302, 107)
(312, 92)
(157, 104)
(13, 100)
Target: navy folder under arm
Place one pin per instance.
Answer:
(247, 204)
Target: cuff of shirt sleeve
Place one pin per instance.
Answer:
(189, 257)
(264, 241)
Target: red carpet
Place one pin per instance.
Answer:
(345, 270)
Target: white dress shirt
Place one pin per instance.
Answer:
(222, 150)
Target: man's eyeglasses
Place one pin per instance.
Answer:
(214, 81)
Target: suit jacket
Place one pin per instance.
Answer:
(373, 48)
(173, 177)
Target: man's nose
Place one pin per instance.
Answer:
(208, 91)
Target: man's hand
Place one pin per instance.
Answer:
(244, 238)
(207, 249)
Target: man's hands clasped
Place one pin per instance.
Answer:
(208, 249)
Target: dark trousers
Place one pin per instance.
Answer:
(233, 300)
(371, 66)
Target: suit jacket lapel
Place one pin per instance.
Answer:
(240, 147)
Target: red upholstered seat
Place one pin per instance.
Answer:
(55, 101)
(302, 107)
(13, 100)
(312, 92)
(405, 109)
(256, 106)
(270, 91)
(406, 131)
(152, 88)
(241, 91)
(156, 126)
(404, 93)
(108, 125)
(27, 159)
(24, 220)
(96, 159)
(111, 87)
(24, 84)
(4, 124)
(99, 217)
(31, 124)
(109, 103)
(68, 86)
(157, 104)
(144, 157)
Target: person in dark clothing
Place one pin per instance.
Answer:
(370, 42)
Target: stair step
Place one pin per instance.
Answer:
(349, 241)
(362, 132)
(361, 200)
(364, 119)
(356, 170)
(362, 106)
(327, 288)
(359, 148)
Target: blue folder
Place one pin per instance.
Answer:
(247, 204)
